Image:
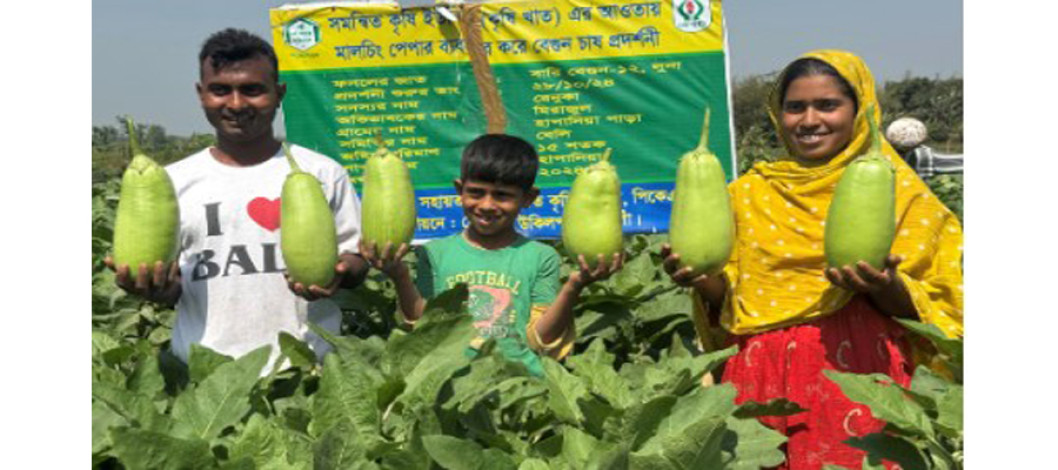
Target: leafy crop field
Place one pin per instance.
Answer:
(629, 398)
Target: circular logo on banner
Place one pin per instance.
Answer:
(301, 34)
(691, 15)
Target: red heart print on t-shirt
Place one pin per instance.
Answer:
(265, 212)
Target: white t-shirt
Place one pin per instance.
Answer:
(235, 298)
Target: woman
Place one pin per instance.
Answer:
(792, 317)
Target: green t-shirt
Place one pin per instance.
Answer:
(504, 285)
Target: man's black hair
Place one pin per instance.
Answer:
(500, 159)
(231, 45)
(809, 66)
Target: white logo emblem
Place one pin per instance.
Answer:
(301, 34)
(692, 15)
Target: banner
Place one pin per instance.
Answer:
(576, 77)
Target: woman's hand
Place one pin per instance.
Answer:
(864, 278)
(682, 277)
(585, 275)
(884, 288)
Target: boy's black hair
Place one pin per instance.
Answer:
(500, 159)
(808, 66)
(231, 45)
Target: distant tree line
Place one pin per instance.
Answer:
(110, 151)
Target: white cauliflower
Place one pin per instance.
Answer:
(906, 133)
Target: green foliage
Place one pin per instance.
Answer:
(110, 154)
(938, 103)
(924, 427)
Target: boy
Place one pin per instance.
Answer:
(515, 295)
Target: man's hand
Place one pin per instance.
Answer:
(585, 275)
(314, 292)
(388, 260)
(864, 279)
(159, 283)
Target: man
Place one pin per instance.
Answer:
(228, 283)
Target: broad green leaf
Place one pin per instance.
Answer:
(469, 388)
(927, 388)
(953, 348)
(675, 303)
(459, 454)
(517, 390)
(637, 272)
(753, 444)
(138, 448)
(596, 366)
(101, 343)
(202, 361)
(679, 373)
(339, 447)
(534, 464)
(347, 399)
(103, 419)
(950, 413)
(296, 350)
(654, 461)
(411, 456)
(138, 410)
(601, 320)
(699, 446)
(609, 456)
(449, 302)
(146, 379)
(887, 401)
(404, 352)
(776, 407)
(447, 339)
(222, 398)
(565, 390)
(699, 405)
(264, 443)
(641, 421)
(891, 447)
(577, 446)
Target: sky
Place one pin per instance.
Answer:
(144, 52)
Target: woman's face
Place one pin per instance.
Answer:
(817, 117)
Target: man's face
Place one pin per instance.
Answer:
(240, 99)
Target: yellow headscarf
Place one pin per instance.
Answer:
(775, 276)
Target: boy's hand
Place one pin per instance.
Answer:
(863, 278)
(603, 270)
(388, 260)
(160, 283)
(681, 277)
(315, 292)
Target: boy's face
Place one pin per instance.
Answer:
(492, 208)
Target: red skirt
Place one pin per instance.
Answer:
(789, 363)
